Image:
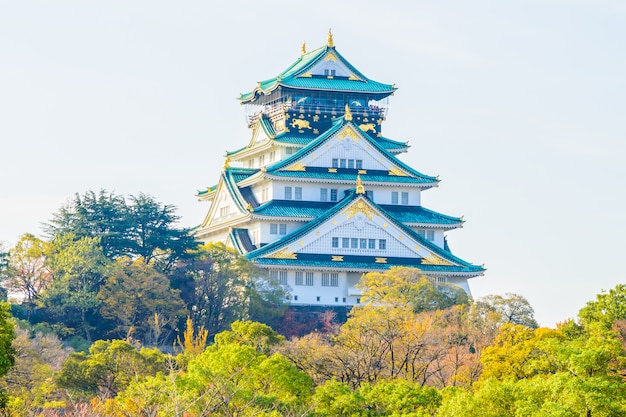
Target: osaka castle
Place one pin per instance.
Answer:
(318, 196)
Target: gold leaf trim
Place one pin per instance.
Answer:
(283, 254)
(394, 170)
(335, 258)
(298, 166)
(381, 260)
(359, 207)
(435, 260)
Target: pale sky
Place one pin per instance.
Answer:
(519, 107)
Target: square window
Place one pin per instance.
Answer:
(345, 242)
(405, 198)
(343, 299)
(335, 163)
(323, 194)
(394, 197)
(371, 244)
(295, 298)
(358, 301)
(317, 298)
(351, 163)
(309, 279)
(299, 278)
(282, 276)
(335, 242)
(422, 233)
(382, 244)
(325, 279)
(362, 243)
(354, 243)
(282, 229)
(274, 275)
(334, 279)
(333, 194)
(273, 228)
(430, 234)
(358, 163)
(298, 193)
(336, 299)
(342, 163)
(287, 193)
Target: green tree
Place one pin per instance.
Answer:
(103, 215)
(400, 286)
(234, 379)
(133, 227)
(608, 308)
(220, 286)
(139, 301)
(108, 368)
(79, 269)
(258, 335)
(27, 272)
(153, 235)
(7, 351)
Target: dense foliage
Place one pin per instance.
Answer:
(118, 320)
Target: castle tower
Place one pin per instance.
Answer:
(318, 196)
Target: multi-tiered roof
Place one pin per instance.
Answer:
(319, 189)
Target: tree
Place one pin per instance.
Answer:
(138, 228)
(79, 268)
(409, 287)
(30, 383)
(510, 308)
(220, 286)
(607, 308)
(139, 301)
(152, 235)
(258, 335)
(7, 352)
(7, 333)
(27, 272)
(108, 368)
(103, 216)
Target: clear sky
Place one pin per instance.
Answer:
(520, 107)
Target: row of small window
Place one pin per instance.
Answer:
(318, 298)
(347, 163)
(427, 234)
(272, 158)
(296, 195)
(404, 198)
(224, 211)
(329, 279)
(278, 229)
(359, 243)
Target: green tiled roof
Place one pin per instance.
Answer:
(314, 209)
(292, 77)
(240, 174)
(324, 261)
(293, 208)
(338, 123)
(311, 226)
(418, 214)
(346, 175)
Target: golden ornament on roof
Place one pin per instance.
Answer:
(303, 50)
(331, 44)
(359, 185)
(348, 113)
